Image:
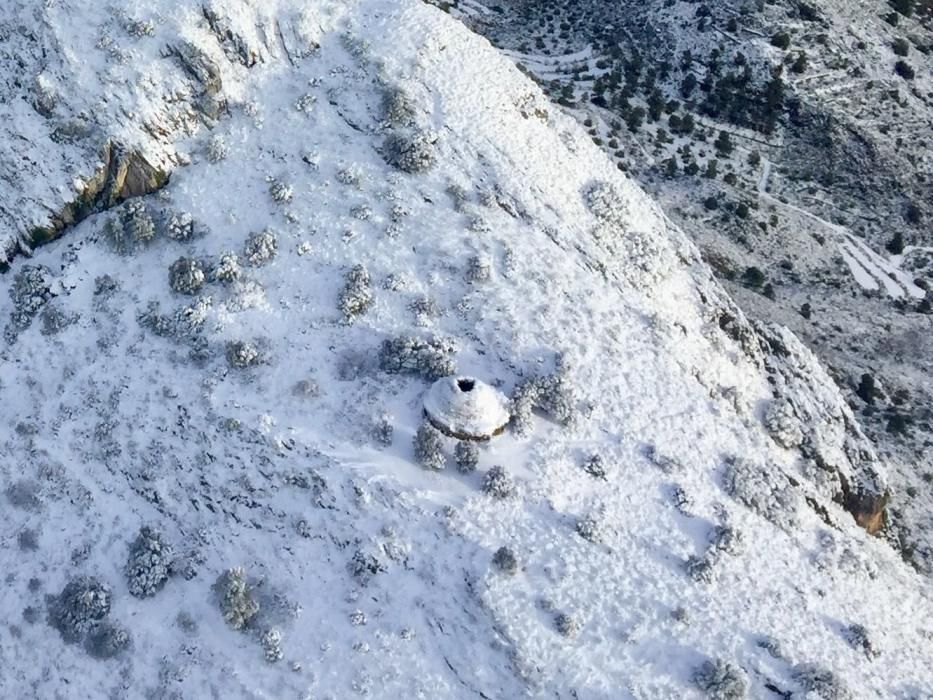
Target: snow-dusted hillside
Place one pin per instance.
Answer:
(229, 372)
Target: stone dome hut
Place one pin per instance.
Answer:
(466, 408)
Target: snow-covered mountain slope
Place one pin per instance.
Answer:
(237, 362)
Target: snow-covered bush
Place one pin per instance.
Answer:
(595, 466)
(429, 447)
(281, 192)
(700, 568)
(242, 355)
(271, 641)
(54, 319)
(107, 640)
(356, 297)
(431, 358)
(857, 636)
(228, 268)
(567, 625)
(235, 597)
(498, 484)
(383, 430)
(479, 269)
(397, 108)
(364, 565)
(553, 394)
(362, 212)
(607, 203)
(411, 152)
(720, 680)
(351, 176)
(261, 247)
(149, 563)
(820, 682)
(131, 229)
(181, 226)
(424, 309)
(217, 149)
(186, 276)
(681, 500)
(83, 602)
(30, 291)
(782, 425)
(466, 454)
(766, 492)
(505, 560)
(590, 527)
(725, 539)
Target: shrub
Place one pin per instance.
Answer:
(595, 466)
(261, 247)
(505, 561)
(397, 108)
(498, 484)
(567, 625)
(904, 69)
(148, 565)
(699, 568)
(186, 276)
(383, 430)
(429, 447)
(281, 192)
(235, 597)
(271, 642)
(607, 203)
(720, 680)
(228, 268)
(479, 269)
(466, 454)
(857, 636)
(242, 355)
(819, 681)
(782, 424)
(900, 46)
(132, 229)
(553, 394)
(411, 152)
(357, 294)
(429, 358)
(30, 291)
(351, 176)
(765, 492)
(781, 40)
(590, 528)
(217, 149)
(364, 565)
(107, 640)
(83, 602)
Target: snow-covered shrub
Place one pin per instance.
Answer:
(356, 297)
(107, 640)
(242, 355)
(725, 539)
(553, 394)
(607, 203)
(271, 641)
(181, 227)
(235, 597)
(54, 319)
(479, 269)
(431, 358)
(132, 229)
(820, 682)
(261, 247)
(217, 149)
(424, 309)
(139, 27)
(364, 565)
(567, 625)
(186, 276)
(228, 268)
(681, 500)
(305, 103)
(397, 108)
(857, 636)
(498, 484)
(362, 212)
(766, 492)
(505, 560)
(351, 176)
(429, 447)
(383, 430)
(782, 425)
(411, 152)
(149, 562)
(595, 466)
(357, 618)
(478, 224)
(466, 454)
(281, 192)
(772, 646)
(83, 602)
(700, 568)
(590, 527)
(30, 291)
(720, 680)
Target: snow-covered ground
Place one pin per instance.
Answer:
(657, 511)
